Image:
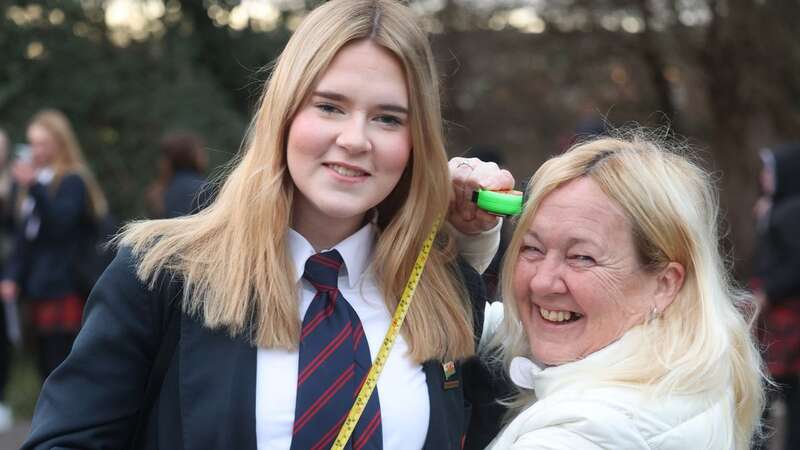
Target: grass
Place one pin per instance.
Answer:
(23, 385)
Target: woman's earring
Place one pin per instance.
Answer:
(654, 314)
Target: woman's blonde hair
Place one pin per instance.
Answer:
(702, 342)
(232, 256)
(68, 159)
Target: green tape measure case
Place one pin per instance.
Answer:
(505, 203)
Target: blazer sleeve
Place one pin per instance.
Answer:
(483, 384)
(60, 213)
(92, 399)
(478, 249)
(18, 259)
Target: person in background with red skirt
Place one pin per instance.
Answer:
(777, 283)
(56, 200)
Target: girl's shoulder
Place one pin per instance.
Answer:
(71, 180)
(72, 176)
(124, 273)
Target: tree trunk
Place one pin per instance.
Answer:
(653, 58)
(725, 61)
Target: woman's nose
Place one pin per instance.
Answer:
(548, 278)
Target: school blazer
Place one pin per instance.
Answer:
(207, 399)
(45, 266)
(186, 193)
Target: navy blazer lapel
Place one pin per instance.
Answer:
(446, 422)
(435, 439)
(217, 389)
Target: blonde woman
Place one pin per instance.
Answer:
(622, 328)
(286, 283)
(57, 201)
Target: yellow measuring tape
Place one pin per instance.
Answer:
(380, 360)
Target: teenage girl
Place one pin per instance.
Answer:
(344, 170)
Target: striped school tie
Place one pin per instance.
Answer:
(334, 362)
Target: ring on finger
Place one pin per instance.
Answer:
(464, 163)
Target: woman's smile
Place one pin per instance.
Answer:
(577, 281)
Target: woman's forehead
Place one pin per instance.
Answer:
(39, 131)
(581, 197)
(579, 211)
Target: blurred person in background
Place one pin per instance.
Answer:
(777, 281)
(5, 171)
(622, 327)
(6, 418)
(179, 188)
(56, 202)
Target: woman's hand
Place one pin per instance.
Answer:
(8, 290)
(24, 173)
(468, 175)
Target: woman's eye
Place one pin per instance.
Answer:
(530, 250)
(327, 108)
(584, 259)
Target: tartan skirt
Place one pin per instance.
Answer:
(57, 315)
(780, 338)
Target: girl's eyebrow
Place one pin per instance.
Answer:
(393, 108)
(337, 97)
(330, 95)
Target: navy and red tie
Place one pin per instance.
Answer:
(334, 362)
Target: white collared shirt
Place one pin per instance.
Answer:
(402, 389)
(43, 177)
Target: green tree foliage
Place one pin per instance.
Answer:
(122, 98)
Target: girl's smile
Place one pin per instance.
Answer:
(349, 143)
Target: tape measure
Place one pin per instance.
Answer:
(383, 354)
(502, 203)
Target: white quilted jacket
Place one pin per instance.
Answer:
(580, 414)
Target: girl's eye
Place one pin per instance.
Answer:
(388, 119)
(327, 108)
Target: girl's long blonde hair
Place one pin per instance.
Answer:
(69, 158)
(232, 256)
(702, 344)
